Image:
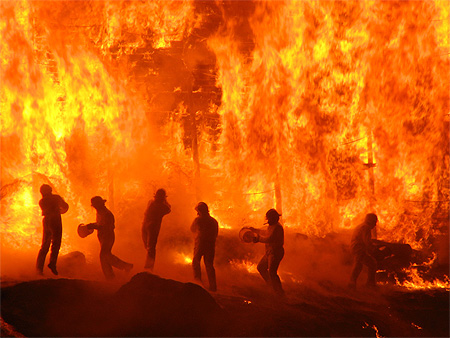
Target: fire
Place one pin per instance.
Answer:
(324, 110)
(244, 265)
(294, 124)
(416, 282)
(181, 258)
(171, 19)
(377, 333)
(416, 326)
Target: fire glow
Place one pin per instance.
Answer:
(416, 282)
(324, 109)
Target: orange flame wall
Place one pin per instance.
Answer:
(325, 109)
(330, 86)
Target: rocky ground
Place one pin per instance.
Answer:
(148, 305)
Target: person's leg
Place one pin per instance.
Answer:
(273, 264)
(196, 262)
(46, 240)
(120, 264)
(371, 264)
(357, 268)
(151, 249)
(209, 265)
(146, 240)
(105, 259)
(56, 245)
(263, 267)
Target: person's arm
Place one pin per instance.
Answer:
(168, 208)
(194, 226)
(261, 234)
(216, 228)
(104, 220)
(92, 226)
(63, 206)
(367, 239)
(266, 236)
(41, 205)
(147, 214)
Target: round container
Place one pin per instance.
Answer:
(83, 231)
(247, 235)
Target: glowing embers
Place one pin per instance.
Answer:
(377, 333)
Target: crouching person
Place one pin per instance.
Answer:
(363, 250)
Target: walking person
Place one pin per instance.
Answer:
(156, 210)
(105, 224)
(206, 228)
(273, 238)
(52, 207)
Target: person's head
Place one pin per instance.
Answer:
(202, 208)
(371, 219)
(97, 202)
(45, 190)
(272, 216)
(160, 194)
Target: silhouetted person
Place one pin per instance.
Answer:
(206, 230)
(363, 249)
(52, 207)
(105, 225)
(273, 238)
(156, 209)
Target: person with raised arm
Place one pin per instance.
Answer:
(52, 206)
(156, 210)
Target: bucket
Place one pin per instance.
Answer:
(247, 235)
(83, 231)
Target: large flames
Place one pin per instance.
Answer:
(325, 109)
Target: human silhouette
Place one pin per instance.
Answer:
(273, 237)
(363, 250)
(105, 225)
(52, 207)
(206, 228)
(156, 210)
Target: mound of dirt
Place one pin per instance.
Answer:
(146, 306)
(150, 306)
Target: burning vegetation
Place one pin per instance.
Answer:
(324, 110)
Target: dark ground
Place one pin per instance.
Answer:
(151, 306)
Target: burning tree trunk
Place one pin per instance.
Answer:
(278, 200)
(193, 134)
(370, 164)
